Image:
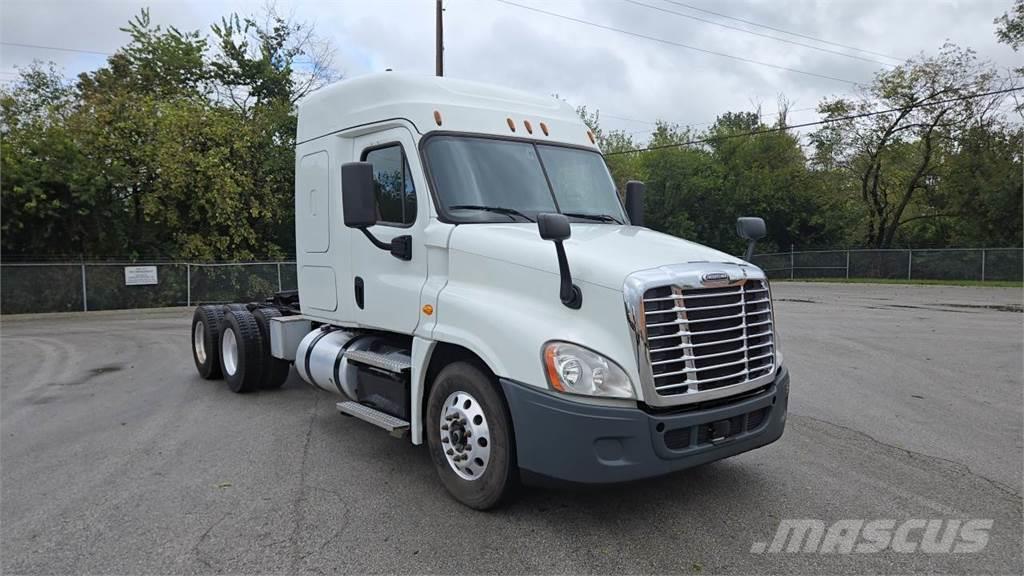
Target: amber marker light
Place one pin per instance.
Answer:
(544, 128)
(428, 309)
(591, 136)
(437, 117)
(529, 127)
(549, 363)
(511, 124)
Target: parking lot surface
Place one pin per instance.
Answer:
(115, 457)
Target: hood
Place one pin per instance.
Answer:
(603, 254)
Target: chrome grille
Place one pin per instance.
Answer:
(707, 338)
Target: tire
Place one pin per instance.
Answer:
(206, 327)
(275, 370)
(480, 409)
(241, 351)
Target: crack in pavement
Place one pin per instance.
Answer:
(297, 512)
(964, 469)
(197, 551)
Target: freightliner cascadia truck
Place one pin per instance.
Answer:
(469, 278)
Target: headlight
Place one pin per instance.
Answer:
(576, 370)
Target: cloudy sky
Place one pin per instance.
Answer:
(636, 61)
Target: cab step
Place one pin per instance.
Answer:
(388, 362)
(395, 426)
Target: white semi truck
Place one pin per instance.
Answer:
(469, 278)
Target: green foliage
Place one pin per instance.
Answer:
(939, 172)
(182, 146)
(1010, 26)
(172, 149)
(697, 191)
(895, 157)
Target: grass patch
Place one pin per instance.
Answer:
(918, 282)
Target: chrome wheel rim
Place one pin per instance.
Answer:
(229, 351)
(199, 342)
(465, 436)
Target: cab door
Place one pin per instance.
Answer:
(385, 289)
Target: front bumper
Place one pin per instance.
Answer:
(576, 442)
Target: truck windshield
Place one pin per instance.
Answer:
(492, 180)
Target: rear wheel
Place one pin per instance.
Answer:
(206, 324)
(241, 351)
(469, 433)
(275, 370)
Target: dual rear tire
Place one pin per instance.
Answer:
(206, 328)
(241, 350)
(234, 343)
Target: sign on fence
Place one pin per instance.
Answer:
(139, 275)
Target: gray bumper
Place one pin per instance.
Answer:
(566, 440)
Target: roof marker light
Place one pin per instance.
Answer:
(437, 117)
(511, 124)
(591, 136)
(544, 128)
(529, 128)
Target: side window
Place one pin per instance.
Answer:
(396, 195)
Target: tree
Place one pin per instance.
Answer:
(40, 164)
(894, 156)
(1010, 26)
(274, 62)
(173, 149)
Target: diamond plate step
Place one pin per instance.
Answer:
(395, 426)
(383, 361)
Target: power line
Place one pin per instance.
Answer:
(57, 48)
(650, 131)
(776, 38)
(752, 23)
(818, 123)
(678, 44)
(680, 122)
(98, 53)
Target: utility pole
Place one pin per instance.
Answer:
(439, 48)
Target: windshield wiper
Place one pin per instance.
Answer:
(598, 217)
(496, 209)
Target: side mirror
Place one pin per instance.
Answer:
(357, 199)
(555, 227)
(635, 202)
(750, 229)
(359, 204)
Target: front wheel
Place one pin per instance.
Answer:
(469, 434)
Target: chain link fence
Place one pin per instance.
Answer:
(70, 287)
(981, 264)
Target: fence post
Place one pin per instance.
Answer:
(982, 264)
(847, 263)
(279, 288)
(85, 294)
(790, 261)
(188, 283)
(910, 262)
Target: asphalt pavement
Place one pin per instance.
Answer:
(115, 457)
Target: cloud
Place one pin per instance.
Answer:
(621, 75)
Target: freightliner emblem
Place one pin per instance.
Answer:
(714, 278)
